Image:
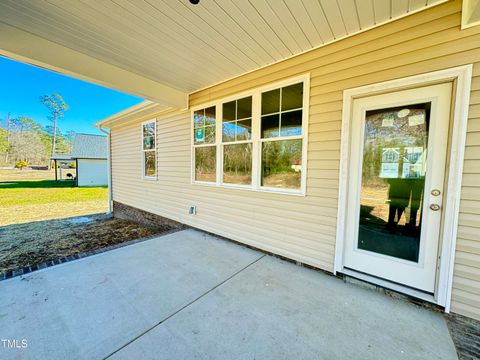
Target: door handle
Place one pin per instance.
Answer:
(434, 207)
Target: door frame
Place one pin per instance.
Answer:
(461, 77)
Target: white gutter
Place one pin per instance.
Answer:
(109, 170)
(144, 109)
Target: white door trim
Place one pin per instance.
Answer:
(462, 76)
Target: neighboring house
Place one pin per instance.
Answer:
(242, 91)
(90, 155)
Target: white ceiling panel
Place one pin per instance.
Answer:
(350, 15)
(399, 7)
(188, 47)
(319, 20)
(334, 17)
(415, 4)
(382, 11)
(366, 13)
(304, 19)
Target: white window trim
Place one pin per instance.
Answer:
(142, 151)
(256, 140)
(235, 142)
(469, 7)
(462, 75)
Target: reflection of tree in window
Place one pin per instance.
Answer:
(282, 115)
(393, 177)
(149, 149)
(204, 144)
(237, 120)
(236, 136)
(398, 133)
(149, 163)
(237, 164)
(149, 136)
(280, 163)
(204, 126)
(205, 163)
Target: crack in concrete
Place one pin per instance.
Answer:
(184, 307)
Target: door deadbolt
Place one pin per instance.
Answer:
(434, 207)
(435, 192)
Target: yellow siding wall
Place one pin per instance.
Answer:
(303, 228)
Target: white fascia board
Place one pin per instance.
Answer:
(26, 47)
(146, 109)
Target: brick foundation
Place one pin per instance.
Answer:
(465, 333)
(127, 212)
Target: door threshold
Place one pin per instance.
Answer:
(390, 285)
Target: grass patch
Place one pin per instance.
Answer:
(43, 199)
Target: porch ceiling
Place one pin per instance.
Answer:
(188, 47)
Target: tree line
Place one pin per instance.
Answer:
(23, 139)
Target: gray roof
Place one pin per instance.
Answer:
(61, 157)
(87, 146)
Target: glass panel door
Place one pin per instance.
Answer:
(393, 180)
(396, 177)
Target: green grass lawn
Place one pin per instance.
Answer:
(24, 201)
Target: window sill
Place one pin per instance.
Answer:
(204, 183)
(290, 192)
(149, 178)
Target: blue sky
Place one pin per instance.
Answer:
(21, 86)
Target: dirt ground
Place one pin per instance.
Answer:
(32, 175)
(23, 245)
(376, 198)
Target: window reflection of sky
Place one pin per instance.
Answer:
(289, 125)
(237, 130)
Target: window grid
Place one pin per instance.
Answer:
(231, 144)
(280, 113)
(256, 137)
(285, 139)
(203, 146)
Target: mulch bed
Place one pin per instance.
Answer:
(26, 245)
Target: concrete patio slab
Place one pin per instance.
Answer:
(277, 310)
(88, 308)
(190, 295)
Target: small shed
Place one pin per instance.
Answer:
(59, 162)
(90, 154)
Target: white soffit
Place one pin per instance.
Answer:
(188, 47)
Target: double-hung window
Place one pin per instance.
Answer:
(237, 141)
(255, 141)
(281, 137)
(149, 152)
(204, 145)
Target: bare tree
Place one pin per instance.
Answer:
(27, 146)
(8, 129)
(56, 107)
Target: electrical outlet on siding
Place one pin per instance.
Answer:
(192, 210)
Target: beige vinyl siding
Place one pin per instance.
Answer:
(303, 228)
(293, 226)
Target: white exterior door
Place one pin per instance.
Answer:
(397, 160)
